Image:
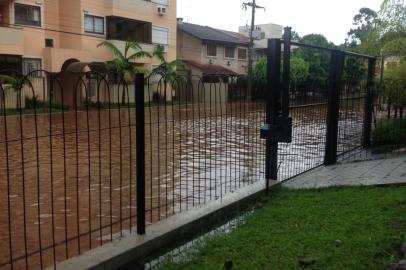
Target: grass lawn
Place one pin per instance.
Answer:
(370, 222)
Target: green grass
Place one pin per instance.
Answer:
(27, 111)
(104, 106)
(370, 222)
(390, 131)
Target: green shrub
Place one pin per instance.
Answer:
(391, 131)
(30, 103)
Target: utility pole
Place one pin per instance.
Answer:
(254, 7)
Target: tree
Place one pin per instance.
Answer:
(122, 63)
(393, 16)
(365, 23)
(396, 47)
(15, 84)
(365, 36)
(167, 70)
(354, 70)
(259, 73)
(299, 70)
(318, 60)
(395, 87)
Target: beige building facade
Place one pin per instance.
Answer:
(204, 45)
(50, 34)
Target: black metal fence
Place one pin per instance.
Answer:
(96, 157)
(331, 114)
(88, 158)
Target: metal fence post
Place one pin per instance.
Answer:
(140, 148)
(369, 101)
(333, 109)
(286, 70)
(272, 106)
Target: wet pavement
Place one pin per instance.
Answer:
(391, 171)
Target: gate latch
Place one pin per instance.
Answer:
(280, 132)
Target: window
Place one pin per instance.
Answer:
(27, 15)
(94, 24)
(10, 62)
(242, 53)
(127, 29)
(211, 50)
(229, 52)
(160, 2)
(49, 43)
(30, 65)
(160, 35)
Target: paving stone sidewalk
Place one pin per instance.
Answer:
(367, 173)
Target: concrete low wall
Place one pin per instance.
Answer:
(126, 253)
(11, 98)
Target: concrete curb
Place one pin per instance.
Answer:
(166, 234)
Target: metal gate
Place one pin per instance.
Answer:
(315, 122)
(89, 157)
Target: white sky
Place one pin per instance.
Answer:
(332, 18)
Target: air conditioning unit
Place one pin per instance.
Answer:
(161, 10)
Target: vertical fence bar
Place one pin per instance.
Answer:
(286, 71)
(368, 107)
(272, 103)
(140, 143)
(333, 111)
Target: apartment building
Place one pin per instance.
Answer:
(261, 34)
(212, 51)
(52, 34)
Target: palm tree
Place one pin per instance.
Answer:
(122, 62)
(167, 69)
(14, 83)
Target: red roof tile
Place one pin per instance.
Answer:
(211, 69)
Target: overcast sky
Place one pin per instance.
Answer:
(332, 18)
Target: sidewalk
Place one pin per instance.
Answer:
(367, 173)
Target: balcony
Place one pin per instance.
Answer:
(11, 40)
(119, 28)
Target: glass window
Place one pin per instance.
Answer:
(161, 2)
(126, 29)
(49, 43)
(30, 65)
(211, 50)
(27, 15)
(242, 53)
(94, 24)
(160, 35)
(229, 52)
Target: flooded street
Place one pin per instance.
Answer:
(76, 186)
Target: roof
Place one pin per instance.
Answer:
(242, 38)
(207, 33)
(211, 69)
